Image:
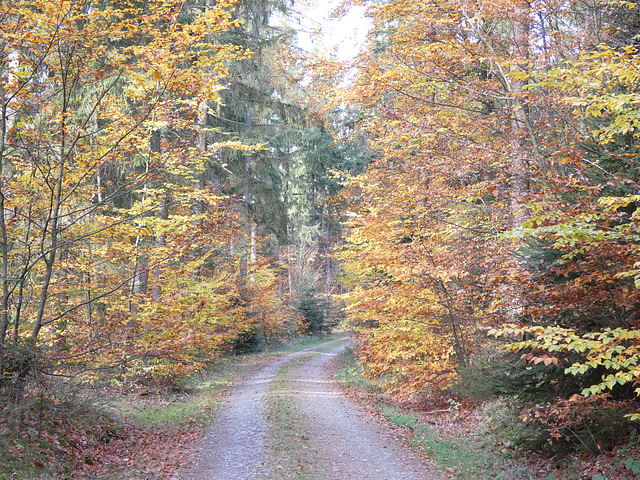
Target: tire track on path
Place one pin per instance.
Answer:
(346, 441)
(236, 446)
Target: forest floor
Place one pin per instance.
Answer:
(302, 413)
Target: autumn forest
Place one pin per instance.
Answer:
(183, 182)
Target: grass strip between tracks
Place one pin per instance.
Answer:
(291, 437)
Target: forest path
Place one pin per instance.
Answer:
(289, 419)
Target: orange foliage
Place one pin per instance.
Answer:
(115, 252)
(468, 111)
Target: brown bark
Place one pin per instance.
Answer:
(520, 146)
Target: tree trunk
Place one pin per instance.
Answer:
(253, 250)
(520, 148)
(53, 221)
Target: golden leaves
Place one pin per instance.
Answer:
(102, 186)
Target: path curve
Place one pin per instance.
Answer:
(235, 447)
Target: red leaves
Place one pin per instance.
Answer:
(562, 416)
(540, 358)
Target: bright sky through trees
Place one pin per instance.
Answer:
(323, 31)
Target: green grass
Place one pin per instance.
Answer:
(33, 432)
(178, 412)
(331, 344)
(197, 403)
(290, 437)
(458, 455)
(194, 406)
(300, 343)
(469, 457)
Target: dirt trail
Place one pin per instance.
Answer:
(235, 447)
(351, 445)
(345, 444)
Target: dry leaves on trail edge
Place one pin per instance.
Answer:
(138, 454)
(73, 444)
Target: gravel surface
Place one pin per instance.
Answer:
(235, 447)
(346, 442)
(349, 444)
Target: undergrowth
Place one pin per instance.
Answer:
(52, 432)
(483, 435)
(466, 450)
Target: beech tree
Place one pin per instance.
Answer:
(468, 111)
(580, 274)
(502, 195)
(440, 107)
(99, 108)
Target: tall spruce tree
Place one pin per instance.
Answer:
(284, 185)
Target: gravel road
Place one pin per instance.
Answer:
(345, 442)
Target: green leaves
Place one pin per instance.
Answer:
(612, 349)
